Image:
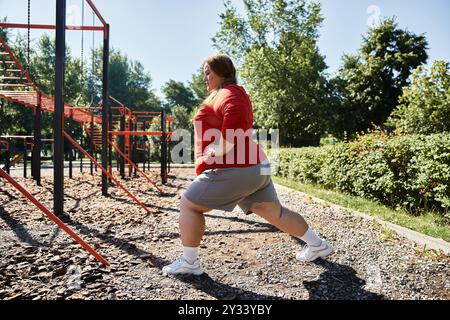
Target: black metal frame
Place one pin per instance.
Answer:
(58, 120)
(59, 109)
(164, 147)
(106, 111)
(122, 145)
(37, 142)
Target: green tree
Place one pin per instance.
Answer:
(42, 71)
(43, 65)
(4, 33)
(5, 106)
(119, 76)
(182, 118)
(153, 102)
(371, 82)
(425, 104)
(275, 46)
(128, 82)
(198, 86)
(140, 86)
(177, 94)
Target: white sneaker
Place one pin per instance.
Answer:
(310, 253)
(182, 266)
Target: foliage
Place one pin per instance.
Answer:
(370, 83)
(411, 171)
(177, 94)
(129, 83)
(183, 118)
(275, 46)
(198, 86)
(425, 104)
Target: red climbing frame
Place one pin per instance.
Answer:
(134, 166)
(26, 93)
(53, 27)
(76, 145)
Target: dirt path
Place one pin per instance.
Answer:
(244, 257)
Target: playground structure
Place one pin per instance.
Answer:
(17, 86)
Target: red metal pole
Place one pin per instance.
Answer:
(99, 16)
(104, 170)
(134, 166)
(55, 219)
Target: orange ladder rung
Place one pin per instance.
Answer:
(10, 78)
(15, 85)
(12, 70)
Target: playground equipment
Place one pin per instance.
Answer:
(16, 85)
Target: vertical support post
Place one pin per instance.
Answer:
(91, 142)
(132, 137)
(144, 155)
(8, 157)
(80, 154)
(135, 147)
(36, 166)
(25, 162)
(110, 138)
(163, 147)
(169, 155)
(105, 110)
(96, 157)
(149, 153)
(144, 146)
(122, 142)
(58, 121)
(70, 151)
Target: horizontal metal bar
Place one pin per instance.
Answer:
(135, 133)
(49, 27)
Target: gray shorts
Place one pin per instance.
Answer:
(223, 189)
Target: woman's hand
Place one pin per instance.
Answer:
(208, 159)
(210, 150)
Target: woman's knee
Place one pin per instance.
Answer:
(186, 204)
(268, 210)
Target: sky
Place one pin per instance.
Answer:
(172, 37)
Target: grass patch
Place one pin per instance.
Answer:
(429, 223)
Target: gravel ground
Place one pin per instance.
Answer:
(244, 257)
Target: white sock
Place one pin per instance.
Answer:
(311, 238)
(190, 254)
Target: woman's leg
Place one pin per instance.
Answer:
(294, 224)
(281, 217)
(192, 229)
(192, 223)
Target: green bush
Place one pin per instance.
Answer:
(425, 105)
(411, 171)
